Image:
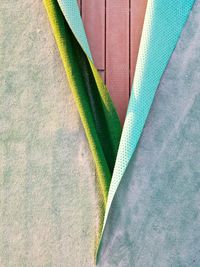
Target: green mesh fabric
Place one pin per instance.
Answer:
(99, 118)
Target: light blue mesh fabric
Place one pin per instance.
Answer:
(164, 21)
(154, 219)
(163, 24)
(71, 12)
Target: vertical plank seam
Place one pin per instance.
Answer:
(130, 40)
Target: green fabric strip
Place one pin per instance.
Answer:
(98, 115)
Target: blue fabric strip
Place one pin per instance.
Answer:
(163, 24)
(164, 21)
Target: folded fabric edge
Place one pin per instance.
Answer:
(72, 15)
(139, 108)
(103, 102)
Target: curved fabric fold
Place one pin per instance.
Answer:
(155, 214)
(163, 23)
(71, 13)
(98, 115)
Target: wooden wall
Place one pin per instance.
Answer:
(113, 28)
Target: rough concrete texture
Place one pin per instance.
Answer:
(155, 216)
(47, 178)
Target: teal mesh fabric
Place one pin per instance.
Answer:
(71, 12)
(164, 21)
(155, 214)
(163, 24)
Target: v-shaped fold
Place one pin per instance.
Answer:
(98, 115)
(163, 24)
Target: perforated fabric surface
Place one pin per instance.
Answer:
(72, 14)
(163, 24)
(164, 21)
(154, 218)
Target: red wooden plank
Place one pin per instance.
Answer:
(79, 3)
(93, 14)
(138, 8)
(117, 53)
